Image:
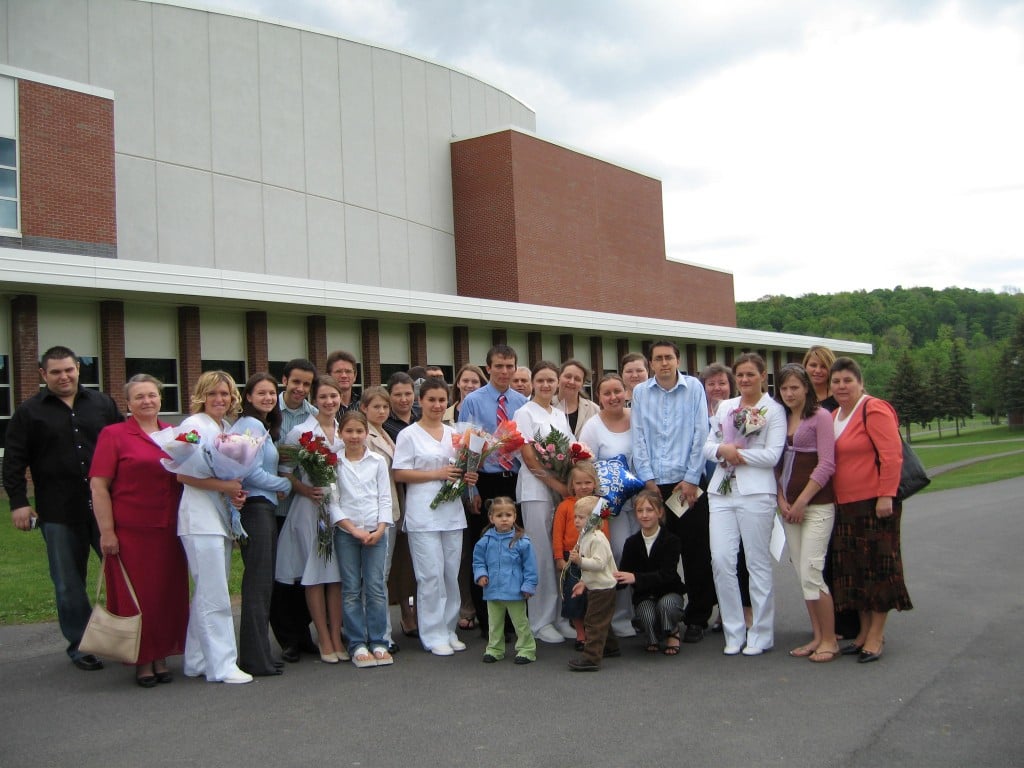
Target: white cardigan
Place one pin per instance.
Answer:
(763, 451)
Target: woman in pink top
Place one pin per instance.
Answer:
(868, 568)
(805, 503)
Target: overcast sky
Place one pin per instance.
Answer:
(807, 146)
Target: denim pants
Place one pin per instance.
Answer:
(364, 589)
(67, 550)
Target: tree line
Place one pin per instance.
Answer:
(938, 354)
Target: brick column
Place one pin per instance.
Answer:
(691, 360)
(565, 347)
(25, 349)
(190, 354)
(645, 347)
(316, 340)
(256, 354)
(730, 355)
(417, 344)
(534, 348)
(460, 346)
(711, 353)
(112, 351)
(596, 359)
(371, 353)
(764, 355)
(499, 336)
(621, 350)
(776, 361)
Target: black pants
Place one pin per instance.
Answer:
(289, 616)
(693, 531)
(258, 554)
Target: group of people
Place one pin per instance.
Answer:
(722, 463)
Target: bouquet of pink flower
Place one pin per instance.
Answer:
(558, 454)
(231, 457)
(472, 445)
(320, 466)
(743, 423)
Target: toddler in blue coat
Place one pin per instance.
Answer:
(504, 565)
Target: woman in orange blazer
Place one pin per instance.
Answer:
(868, 567)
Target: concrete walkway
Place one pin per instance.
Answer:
(949, 690)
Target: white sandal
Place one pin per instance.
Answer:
(383, 657)
(363, 658)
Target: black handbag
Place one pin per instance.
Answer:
(913, 476)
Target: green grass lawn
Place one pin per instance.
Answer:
(26, 592)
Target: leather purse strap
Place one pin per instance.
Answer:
(124, 572)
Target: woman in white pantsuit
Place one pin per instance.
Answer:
(747, 437)
(536, 492)
(210, 648)
(424, 457)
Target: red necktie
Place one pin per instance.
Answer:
(502, 413)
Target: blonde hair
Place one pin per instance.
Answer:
(586, 468)
(586, 504)
(374, 392)
(207, 381)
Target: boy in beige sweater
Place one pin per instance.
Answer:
(593, 554)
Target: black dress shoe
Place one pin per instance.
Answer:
(866, 657)
(694, 633)
(146, 681)
(850, 650)
(164, 677)
(291, 654)
(88, 662)
(582, 665)
(393, 648)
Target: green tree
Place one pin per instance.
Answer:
(958, 387)
(1013, 377)
(907, 395)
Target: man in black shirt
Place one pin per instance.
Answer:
(53, 435)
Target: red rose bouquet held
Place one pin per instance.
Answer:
(319, 465)
(741, 424)
(558, 454)
(472, 445)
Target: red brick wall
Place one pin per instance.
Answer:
(112, 351)
(541, 224)
(66, 143)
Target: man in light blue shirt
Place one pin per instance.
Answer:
(669, 426)
(482, 407)
(289, 616)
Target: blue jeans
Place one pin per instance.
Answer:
(67, 549)
(363, 586)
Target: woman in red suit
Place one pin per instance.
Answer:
(135, 501)
(868, 567)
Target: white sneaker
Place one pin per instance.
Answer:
(731, 650)
(567, 630)
(751, 651)
(442, 650)
(621, 629)
(549, 634)
(238, 677)
(455, 643)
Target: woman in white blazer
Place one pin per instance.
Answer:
(747, 437)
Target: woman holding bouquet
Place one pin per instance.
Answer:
(205, 533)
(747, 437)
(135, 501)
(261, 418)
(304, 556)
(424, 459)
(537, 491)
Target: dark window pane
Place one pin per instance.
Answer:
(3, 431)
(8, 183)
(386, 369)
(235, 367)
(89, 371)
(5, 370)
(276, 369)
(8, 214)
(165, 369)
(8, 153)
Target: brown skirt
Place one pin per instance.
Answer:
(868, 567)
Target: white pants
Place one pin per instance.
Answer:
(808, 545)
(748, 518)
(436, 556)
(543, 607)
(210, 647)
(620, 528)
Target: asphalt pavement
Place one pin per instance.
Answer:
(947, 692)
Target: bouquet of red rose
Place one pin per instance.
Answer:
(319, 464)
(558, 454)
(472, 445)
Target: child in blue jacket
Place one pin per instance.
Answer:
(504, 565)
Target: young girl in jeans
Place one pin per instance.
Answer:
(363, 515)
(504, 565)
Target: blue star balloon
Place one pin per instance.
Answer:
(616, 483)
